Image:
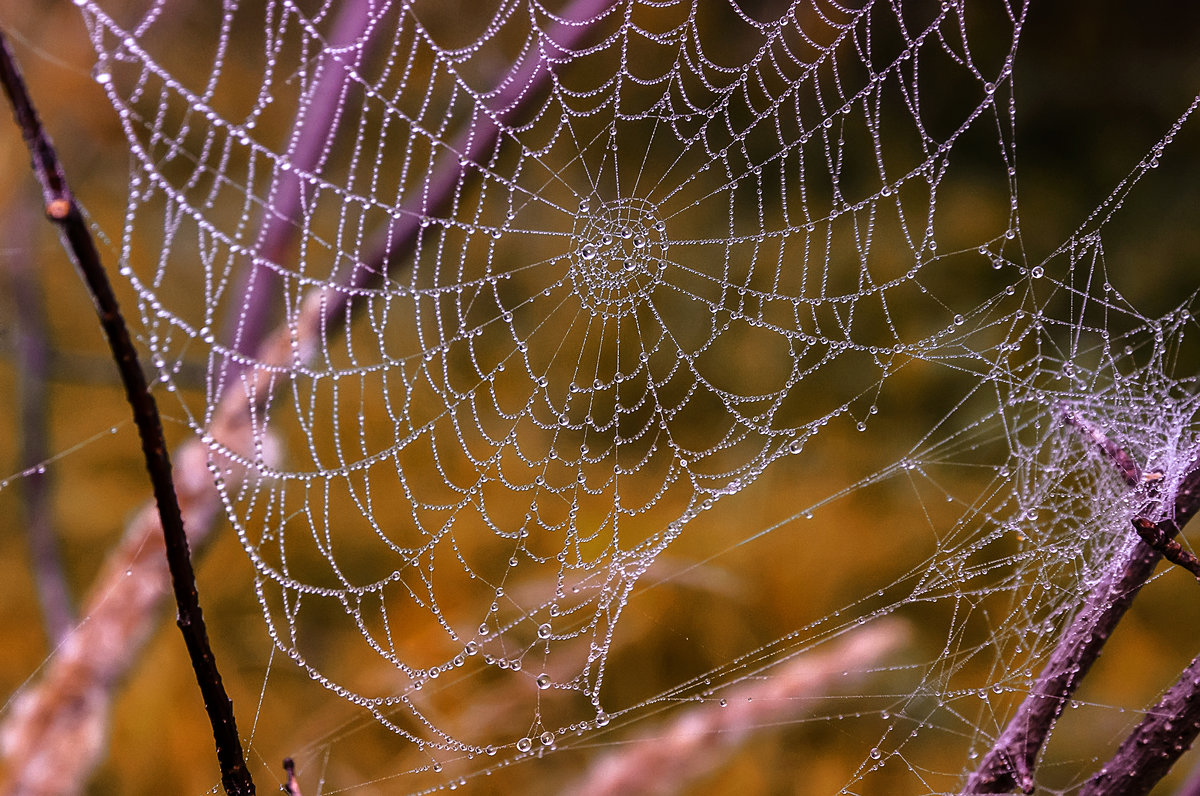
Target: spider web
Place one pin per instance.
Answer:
(585, 276)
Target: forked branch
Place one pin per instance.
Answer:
(1010, 762)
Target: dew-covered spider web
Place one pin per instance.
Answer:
(586, 303)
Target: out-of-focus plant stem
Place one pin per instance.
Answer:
(32, 355)
(62, 211)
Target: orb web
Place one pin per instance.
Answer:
(584, 271)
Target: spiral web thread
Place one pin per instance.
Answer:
(589, 269)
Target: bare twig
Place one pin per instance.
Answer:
(1117, 455)
(1159, 536)
(1011, 760)
(55, 730)
(62, 210)
(1147, 754)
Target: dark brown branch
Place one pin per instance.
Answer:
(1159, 536)
(1010, 762)
(62, 210)
(1166, 732)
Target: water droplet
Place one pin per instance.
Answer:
(543, 681)
(547, 738)
(524, 745)
(544, 628)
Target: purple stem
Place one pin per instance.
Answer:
(313, 133)
(1011, 760)
(1147, 754)
(32, 354)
